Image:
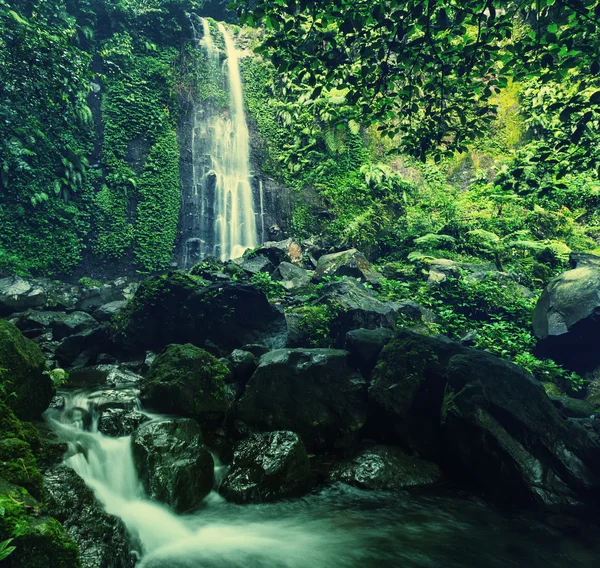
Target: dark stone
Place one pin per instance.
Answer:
(120, 290)
(280, 251)
(256, 264)
(583, 259)
(566, 319)
(186, 380)
(102, 375)
(291, 276)
(120, 422)
(365, 345)
(22, 365)
(408, 385)
(233, 314)
(72, 324)
(173, 464)
(35, 323)
(242, 364)
(19, 295)
(103, 540)
(266, 467)
(346, 263)
(385, 468)
(501, 426)
(89, 343)
(108, 311)
(309, 391)
(573, 407)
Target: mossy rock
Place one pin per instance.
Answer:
(40, 541)
(17, 462)
(152, 318)
(186, 380)
(21, 373)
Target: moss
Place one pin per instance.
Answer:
(187, 380)
(22, 365)
(86, 283)
(40, 541)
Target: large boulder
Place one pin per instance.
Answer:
(34, 323)
(186, 380)
(566, 319)
(365, 345)
(408, 386)
(172, 462)
(355, 307)
(346, 263)
(267, 466)
(22, 373)
(102, 539)
(71, 324)
(232, 314)
(291, 276)
(255, 264)
(501, 426)
(39, 540)
(309, 391)
(178, 308)
(385, 468)
(153, 317)
(280, 251)
(96, 294)
(19, 295)
(120, 421)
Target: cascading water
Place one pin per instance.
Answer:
(220, 216)
(337, 527)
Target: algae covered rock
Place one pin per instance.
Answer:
(40, 541)
(186, 380)
(172, 462)
(385, 468)
(309, 391)
(346, 263)
(266, 467)
(22, 373)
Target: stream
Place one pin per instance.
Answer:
(334, 527)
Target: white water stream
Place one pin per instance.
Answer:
(222, 213)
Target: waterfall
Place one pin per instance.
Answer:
(219, 217)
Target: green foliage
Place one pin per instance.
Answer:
(270, 288)
(316, 323)
(6, 549)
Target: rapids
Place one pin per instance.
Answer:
(334, 527)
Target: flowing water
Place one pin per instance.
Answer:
(220, 216)
(335, 527)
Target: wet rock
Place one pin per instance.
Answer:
(346, 263)
(256, 264)
(79, 349)
(73, 323)
(266, 467)
(233, 314)
(120, 422)
(174, 466)
(408, 386)
(309, 391)
(125, 399)
(186, 380)
(108, 311)
(572, 407)
(102, 539)
(500, 424)
(40, 540)
(566, 319)
(34, 323)
(356, 307)
(365, 345)
(22, 365)
(102, 375)
(241, 364)
(385, 468)
(280, 251)
(291, 276)
(19, 295)
(95, 296)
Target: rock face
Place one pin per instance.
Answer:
(566, 320)
(41, 542)
(501, 425)
(177, 308)
(102, 539)
(120, 422)
(346, 263)
(309, 391)
(256, 264)
(173, 464)
(365, 345)
(356, 307)
(266, 467)
(22, 365)
(233, 314)
(385, 468)
(291, 276)
(187, 380)
(408, 385)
